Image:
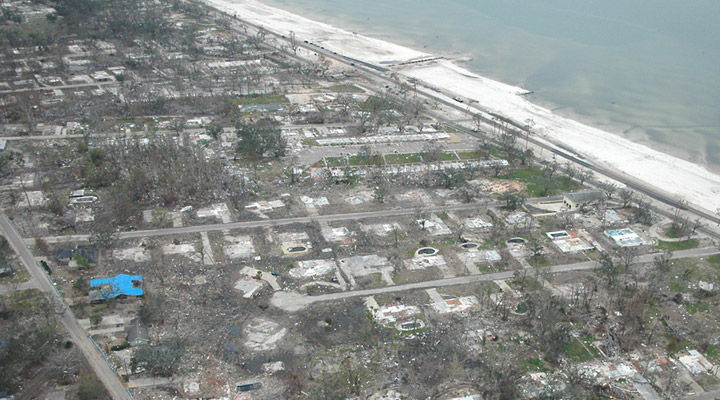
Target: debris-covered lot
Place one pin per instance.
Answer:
(230, 215)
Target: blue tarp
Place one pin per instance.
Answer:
(120, 285)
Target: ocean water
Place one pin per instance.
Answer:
(646, 69)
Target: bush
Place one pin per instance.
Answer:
(95, 320)
(82, 261)
(119, 347)
(91, 390)
(46, 267)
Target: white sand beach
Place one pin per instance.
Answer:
(677, 177)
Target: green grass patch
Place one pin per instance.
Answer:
(345, 88)
(335, 161)
(538, 262)
(403, 158)
(675, 246)
(677, 286)
(447, 156)
(694, 308)
(472, 155)
(653, 312)
(674, 345)
(451, 129)
(442, 242)
(486, 268)
(576, 352)
(713, 351)
(527, 175)
(375, 159)
(411, 252)
(261, 100)
(533, 177)
(309, 142)
(536, 365)
(708, 382)
(714, 261)
(528, 284)
(27, 301)
(17, 276)
(671, 232)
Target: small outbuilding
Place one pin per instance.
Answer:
(578, 200)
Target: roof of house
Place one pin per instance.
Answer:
(88, 252)
(137, 330)
(585, 197)
(120, 285)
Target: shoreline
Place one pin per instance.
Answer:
(680, 178)
(632, 133)
(623, 121)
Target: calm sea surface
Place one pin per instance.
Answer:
(646, 69)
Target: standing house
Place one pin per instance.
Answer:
(110, 288)
(578, 200)
(137, 333)
(88, 253)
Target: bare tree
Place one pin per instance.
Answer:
(627, 196)
(294, 45)
(608, 187)
(642, 211)
(585, 175)
(607, 268)
(450, 178)
(381, 191)
(63, 364)
(431, 151)
(627, 256)
(477, 122)
(663, 262)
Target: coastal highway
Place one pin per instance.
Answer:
(292, 301)
(77, 334)
(379, 73)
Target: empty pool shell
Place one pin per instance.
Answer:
(294, 249)
(426, 251)
(410, 325)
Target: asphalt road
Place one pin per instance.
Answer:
(79, 338)
(290, 301)
(279, 221)
(714, 395)
(78, 85)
